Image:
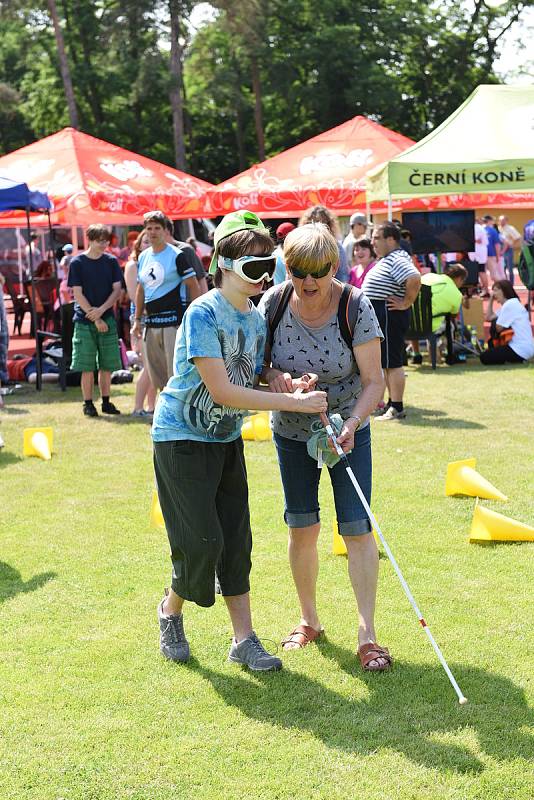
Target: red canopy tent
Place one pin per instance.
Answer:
(330, 170)
(90, 180)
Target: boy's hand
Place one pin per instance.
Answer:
(92, 314)
(312, 403)
(101, 326)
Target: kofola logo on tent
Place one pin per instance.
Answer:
(467, 177)
(335, 161)
(125, 170)
(244, 201)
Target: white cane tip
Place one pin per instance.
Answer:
(463, 701)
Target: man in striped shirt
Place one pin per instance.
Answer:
(392, 286)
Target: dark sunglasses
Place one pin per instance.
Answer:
(302, 274)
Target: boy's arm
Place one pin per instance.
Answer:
(82, 301)
(214, 375)
(97, 313)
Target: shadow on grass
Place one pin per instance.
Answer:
(434, 418)
(6, 459)
(13, 411)
(472, 365)
(12, 584)
(412, 709)
(126, 418)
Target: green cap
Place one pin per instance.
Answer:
(231, 223)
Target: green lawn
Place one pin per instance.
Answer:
(90, 711)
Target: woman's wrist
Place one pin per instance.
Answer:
(353, 421)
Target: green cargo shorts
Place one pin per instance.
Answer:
(93, 350)
(203, 493)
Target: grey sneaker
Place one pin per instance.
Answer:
(172, 641)
(252, 654)
(390, 414)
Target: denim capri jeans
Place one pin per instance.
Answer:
(300, 479)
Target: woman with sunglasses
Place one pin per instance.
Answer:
(198, 450)
(309, 338)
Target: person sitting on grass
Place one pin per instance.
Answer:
(198, 450)
(96, 280)
(511, 340)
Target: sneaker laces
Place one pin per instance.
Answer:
(258, 646)
(174, 630)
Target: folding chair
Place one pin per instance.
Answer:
(19, 301)
(421, 322)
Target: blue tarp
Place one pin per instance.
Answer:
(15, 196)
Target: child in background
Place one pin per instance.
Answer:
(96, 279)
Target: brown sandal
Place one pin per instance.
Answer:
(371, 651)
(301, 636)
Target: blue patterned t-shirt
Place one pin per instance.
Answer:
(211, 328)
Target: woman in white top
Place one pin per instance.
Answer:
(512, 317)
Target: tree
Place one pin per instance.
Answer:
(176, 88)
(64, 65)
(246, 24)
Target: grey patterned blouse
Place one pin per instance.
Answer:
(298, 348)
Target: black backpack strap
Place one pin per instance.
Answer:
(347, 312)
(277, 306)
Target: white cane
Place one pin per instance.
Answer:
(332, 436)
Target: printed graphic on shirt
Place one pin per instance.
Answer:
(211, 328)
(152, 274)
(201, 413)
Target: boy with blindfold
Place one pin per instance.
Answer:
(198, 450)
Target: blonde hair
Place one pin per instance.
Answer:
(320, 214)
(310, 247)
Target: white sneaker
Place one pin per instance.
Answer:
(390, 414)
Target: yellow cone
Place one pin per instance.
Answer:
(462, 478)
(488, 526)
(247, 431)
(338, 543)
(38, 442)
(262, 430)
(257, 428)
(156, 516)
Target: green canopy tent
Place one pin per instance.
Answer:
(485, 147)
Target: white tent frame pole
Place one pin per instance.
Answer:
(390, 208)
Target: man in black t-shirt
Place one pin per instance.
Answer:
(96, 279)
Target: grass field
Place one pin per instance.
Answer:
(90, 711)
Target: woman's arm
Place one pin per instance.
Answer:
(490, 313)
(369, 363)
(130, 278)
(214, 375)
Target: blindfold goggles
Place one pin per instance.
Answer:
(252, 269)
(302, 274)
